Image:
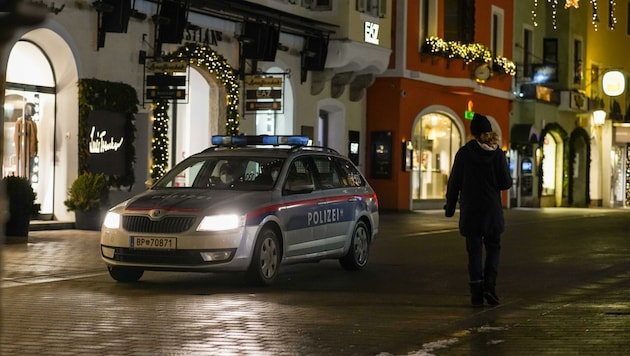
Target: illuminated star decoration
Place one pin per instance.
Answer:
(572, 3)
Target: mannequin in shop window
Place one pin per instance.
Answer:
(25, 138)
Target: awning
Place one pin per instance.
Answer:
(524, 133)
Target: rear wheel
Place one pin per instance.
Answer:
(357, 256)
(125, 274)
(265, 264)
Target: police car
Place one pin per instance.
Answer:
(247, 204)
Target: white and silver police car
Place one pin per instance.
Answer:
(249, 204)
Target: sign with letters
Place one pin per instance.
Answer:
(107, 142)
(264, 92)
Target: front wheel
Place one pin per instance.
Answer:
(265, 264)
(357, 256)
(125, 274)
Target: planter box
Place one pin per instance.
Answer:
(88, 220)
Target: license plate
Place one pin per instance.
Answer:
(159, 243)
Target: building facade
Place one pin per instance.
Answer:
(198, 68)
(450, 59)
(564, 156)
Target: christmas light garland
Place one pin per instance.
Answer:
(206, 58)
(612, 18)
(472, 52)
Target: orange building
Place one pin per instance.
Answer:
(449, 57)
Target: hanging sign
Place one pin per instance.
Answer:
(263, 93)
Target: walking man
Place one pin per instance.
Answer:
(479, 174)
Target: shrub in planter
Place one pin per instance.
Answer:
(87, 196)
(21, 199)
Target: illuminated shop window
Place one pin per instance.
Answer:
(29, 120)
(549, 165)
(435, 142)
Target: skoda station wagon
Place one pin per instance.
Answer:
(247, 204)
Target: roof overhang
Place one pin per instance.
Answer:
(240, 10)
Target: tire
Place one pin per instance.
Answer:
(265, 264)
(357, 256)
(125, 274)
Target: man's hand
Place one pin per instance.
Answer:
(448, 211)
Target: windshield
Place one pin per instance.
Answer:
(240, 173)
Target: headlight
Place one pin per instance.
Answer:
(112, 220)
(220, 222)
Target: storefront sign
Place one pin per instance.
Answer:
(382, 154)
(106, 142)
(166, 67)
(257, 82)
(371, 32)
(166, 94)
(264, 93)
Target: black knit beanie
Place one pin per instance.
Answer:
(479, 125)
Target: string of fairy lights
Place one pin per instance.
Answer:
(203, 57)
(612, 8)
(470, 52)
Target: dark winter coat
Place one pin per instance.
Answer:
(478, 176)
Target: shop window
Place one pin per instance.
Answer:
(549, 165)
(497, 31)
(435, 142)
(428, 23)
(29, 121)
(318, 5)
(376, 8)
(459, 20)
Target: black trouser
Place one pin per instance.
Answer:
(477, 270)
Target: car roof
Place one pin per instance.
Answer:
(253, 146)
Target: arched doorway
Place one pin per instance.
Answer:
(29, 119)
(579, 167)
(436, 137)
(223, 105)
(197, 120)
(277, 122)
(331, 128)
(553, 167)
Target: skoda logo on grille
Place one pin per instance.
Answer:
(156, 214)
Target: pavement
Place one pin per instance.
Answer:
(591, 318)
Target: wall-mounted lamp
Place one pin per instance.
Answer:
(599, 117)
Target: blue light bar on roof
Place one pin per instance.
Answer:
(285, 140)
(244, 140)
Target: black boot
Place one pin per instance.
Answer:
(489, 293)
(476, 293)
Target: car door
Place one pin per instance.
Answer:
(299, 210)
(341, 201)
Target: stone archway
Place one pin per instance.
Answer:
(560, 167)
(212, 62)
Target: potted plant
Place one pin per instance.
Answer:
(21, 199)
(87, 196)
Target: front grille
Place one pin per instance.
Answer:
(167, 225)
(158, 257)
